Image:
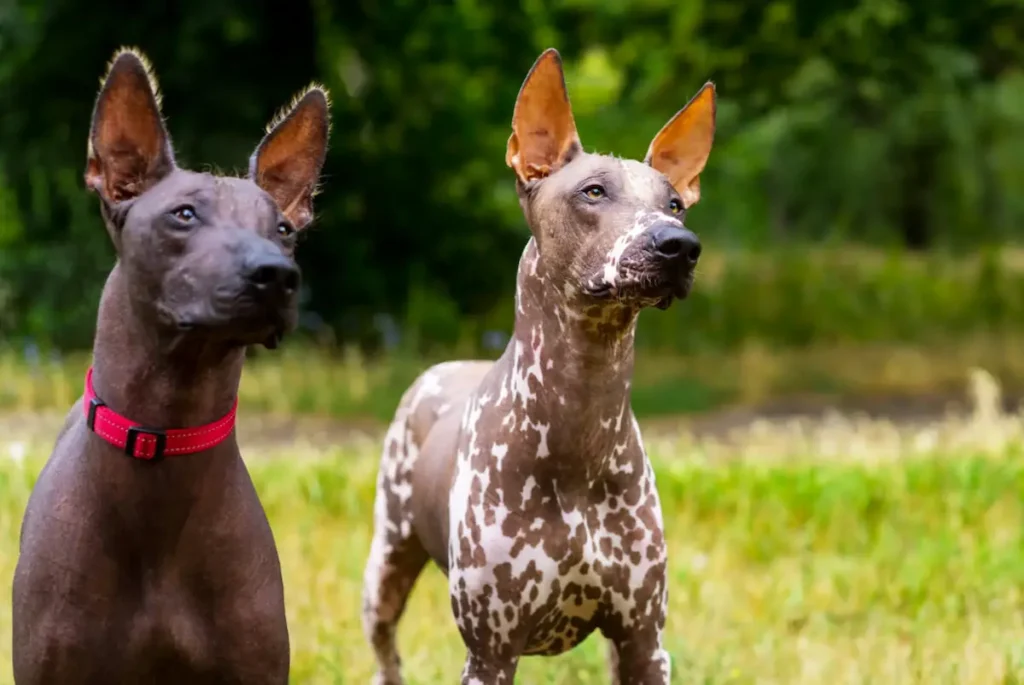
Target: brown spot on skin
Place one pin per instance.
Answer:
(574, 553)
(646, 514)
(632, 496)
(617, 580)
(510, 587)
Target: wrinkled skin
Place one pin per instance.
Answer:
(167, 572)
(525, 479)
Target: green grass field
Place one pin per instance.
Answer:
(839, 551)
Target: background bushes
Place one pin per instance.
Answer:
(886, 124)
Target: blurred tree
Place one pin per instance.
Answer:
(881, 121)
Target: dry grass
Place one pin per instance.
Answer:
(297, 381)
(839, 551)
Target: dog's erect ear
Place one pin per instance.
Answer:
(287, 163)
(129, 148)
(544, 134)
(682, 146)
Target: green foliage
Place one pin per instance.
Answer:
(795, 298)
(887, 122)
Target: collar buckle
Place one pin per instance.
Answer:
(158, 449)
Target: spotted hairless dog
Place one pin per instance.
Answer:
(525, 479)
(145, 555)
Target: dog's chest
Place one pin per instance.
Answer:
(166, 623)
(604, 579)
(549, 572)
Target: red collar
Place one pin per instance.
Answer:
(151, 444)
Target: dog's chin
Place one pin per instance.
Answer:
(643, 292)
(266, 328)
(273, 340)
(673, 292)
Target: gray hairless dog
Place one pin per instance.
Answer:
(146, 556)
(525, 479)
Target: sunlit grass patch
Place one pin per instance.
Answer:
(805, 569)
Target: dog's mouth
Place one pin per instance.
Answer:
(273, 340)
(655, 289)
(601, 290)
(676, 291)
(268, 336)
(249, 325)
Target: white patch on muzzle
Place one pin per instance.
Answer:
(613, 273)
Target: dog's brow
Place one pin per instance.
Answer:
(600, 176)
(197, 193)
(265, 209)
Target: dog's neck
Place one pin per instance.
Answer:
(150, 379)
(572, 364)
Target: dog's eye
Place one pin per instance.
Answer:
(186, 214)
(675, 206)
(284, 230)
(594, 192)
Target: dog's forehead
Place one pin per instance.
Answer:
(229, 195)
(643, 181)
(634, 181)
(246, 193)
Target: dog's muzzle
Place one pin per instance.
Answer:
(657, 269)
(675, 245)
(674, 251)
(272, 283)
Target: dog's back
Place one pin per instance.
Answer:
(436, 399)
(439, 391)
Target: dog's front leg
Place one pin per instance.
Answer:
(488, 671)
(489, 627)
(491, 657)
(638, 660)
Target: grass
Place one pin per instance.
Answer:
(306, 381)
(839, 551)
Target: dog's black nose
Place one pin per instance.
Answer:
(273, 272)
(671, 241)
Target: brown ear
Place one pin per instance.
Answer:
(682, 146)
(129, 148)
(288, 161)
(544, 134)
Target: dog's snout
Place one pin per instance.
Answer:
(671, 241)
(273, 272)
